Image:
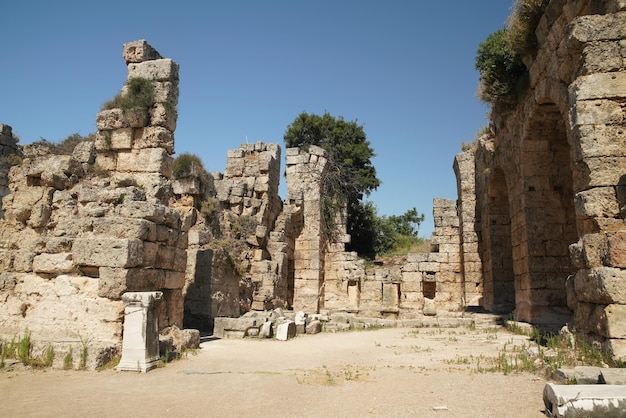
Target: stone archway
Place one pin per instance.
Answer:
(549, 225)
(499, 280)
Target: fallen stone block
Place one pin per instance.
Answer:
(613, 376)
(233, 327)
(585, 400)
(286, 330)
(581, 375)
(314, 327)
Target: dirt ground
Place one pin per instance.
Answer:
(412, 372)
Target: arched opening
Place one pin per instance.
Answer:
(499, 280)
(549, 223)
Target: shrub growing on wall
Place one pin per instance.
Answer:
(139, 94)
(186, 165)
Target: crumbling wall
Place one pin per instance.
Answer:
(82, 229)
(550, 174)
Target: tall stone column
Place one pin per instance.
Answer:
(305, 172)
(140, 344)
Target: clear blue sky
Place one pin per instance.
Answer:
(404, 69)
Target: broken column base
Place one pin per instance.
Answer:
(585, 400)
(140, 343)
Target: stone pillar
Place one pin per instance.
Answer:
(305, 172)
(471, 266)
(140, 344)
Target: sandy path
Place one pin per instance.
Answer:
(380, 373)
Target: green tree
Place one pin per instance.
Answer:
(350, 174)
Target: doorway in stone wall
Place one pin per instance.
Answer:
(548, 223)
(499, 279)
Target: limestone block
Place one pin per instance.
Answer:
(53, 263)
(266, 330)
(163, 69)
(39, 215)
(148, 160)
(119, 227)
(598, 172)
(611, 321)
(164, 116)
(174, 279)
(596, 112)
(165, 92)
(597, 28)
(598, 86)
(616, 251)
(107, 120)
(314, 327)
(85, 152)
(114, 282)
(603, 285)
(233, 327)
(597, 202)
(139, 51)
(23, 261)
(121, 139)
(154, 137)
(107, 252)
(584, 400)
(602, 57)
(106, 161)
(612, 376)
(286, 330)
(190, 186)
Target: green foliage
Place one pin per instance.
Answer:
(68, 360)
(187, 165)
(209, 207)
(350, 173)
(65, 146)
(23, 348)
(503, 75)
(522, 24)
(374, 235)
(48, 357)
(501, 69)
(139, 94)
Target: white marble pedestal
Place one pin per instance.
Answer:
(140, 343)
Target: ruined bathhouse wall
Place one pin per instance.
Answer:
(75, 238)
(549, 177)
(245, 205)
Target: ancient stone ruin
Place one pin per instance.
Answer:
(536, 232)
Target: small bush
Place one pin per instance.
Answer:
(139, 94)
(65, 146)
(522, 24)
(209, 207)
(23, 348)
(10, 160)
(501, 70)
(187, 165)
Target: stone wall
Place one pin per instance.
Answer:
(80, 230)
(548, 180)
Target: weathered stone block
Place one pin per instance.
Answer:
(119, 227)
(164, 116)
(107, 120)
(53, 263)
(616, 251)
(114, 282)
(139, 51)
(149, 160)
(163, 69)
(611, 321)
(107, 252)
(603, 285)
(121, 139)
(598, 86)
(154, 137)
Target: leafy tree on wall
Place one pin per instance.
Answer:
(351, 174)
